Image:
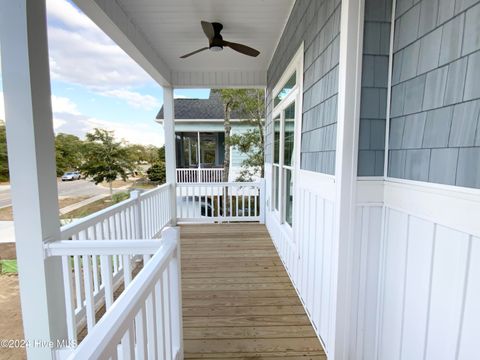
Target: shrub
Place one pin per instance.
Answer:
(157, 172)
(120, 196)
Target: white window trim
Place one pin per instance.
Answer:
(295, 95)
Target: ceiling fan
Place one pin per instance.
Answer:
(216, 42)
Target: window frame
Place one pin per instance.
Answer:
(295, 96)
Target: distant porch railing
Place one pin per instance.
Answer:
(200, 175)
(221, 202)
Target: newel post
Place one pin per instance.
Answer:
(262, 201)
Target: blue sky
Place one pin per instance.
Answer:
(95, 84)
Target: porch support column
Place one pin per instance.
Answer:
(31, 153)
(170, 157)
(350, 73)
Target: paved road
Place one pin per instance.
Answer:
(67, 188)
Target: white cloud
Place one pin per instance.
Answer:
(68, 119)
(79, 125)
(80, 53)
(135, 99)
(64, 105)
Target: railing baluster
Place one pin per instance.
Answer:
(127, 270)
(151, 327)
(96, 283)
(176, 301)
(250, 192)
(141, 335)
(255, 211)
(159, 306)
(106, 269)
(167, 312)
(78, 282)
(89, 304)
(69, 301)
(113, 235)
(236, 199)
(219, 191)
(128, 344)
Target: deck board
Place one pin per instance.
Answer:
(238, 302)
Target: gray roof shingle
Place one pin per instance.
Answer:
(211, 108)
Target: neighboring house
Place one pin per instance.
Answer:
(200, 139)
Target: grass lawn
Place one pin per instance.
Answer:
(144, 185)
(6, 213)
(95, 206)
(118, 183)
(8, 266)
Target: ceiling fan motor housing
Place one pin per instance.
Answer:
(217, 42)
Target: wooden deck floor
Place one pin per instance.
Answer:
(238, 302)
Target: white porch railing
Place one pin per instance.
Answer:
(212, 175)
(103, 251)
(221, 202)
(91, 279)
(146, 319)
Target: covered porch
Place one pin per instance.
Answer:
(370, 195)
(117, 285)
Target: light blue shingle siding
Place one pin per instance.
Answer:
(435, 106)
(317, 24)
(376, 45)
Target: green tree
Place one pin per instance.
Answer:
(251, 143)
(4, 176)
(105, 158)
(160, 154)
(157, 173)
(250, 103)
(231, 101)
(68, 153)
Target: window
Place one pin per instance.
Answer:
(282, 94)
(288, 162)
(286, 116)
(276, 161)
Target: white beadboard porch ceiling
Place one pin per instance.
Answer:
(157, 32)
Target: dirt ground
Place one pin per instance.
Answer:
(7, 251)
(6, 213)
(10, 316)
(10, 313)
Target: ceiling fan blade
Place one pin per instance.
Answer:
(194, 52)
(208, 30)
(244, 49)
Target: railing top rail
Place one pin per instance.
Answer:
(101, 247)
(237, 183)
(92, 219)
(153, 191)
(116, 320)
(81, 224)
